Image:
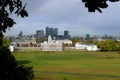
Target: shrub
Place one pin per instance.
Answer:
(10, 70)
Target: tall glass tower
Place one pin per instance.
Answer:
(66, 35)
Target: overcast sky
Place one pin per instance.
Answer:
(67, 15)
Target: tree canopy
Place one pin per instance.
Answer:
(93, 5)
(108, 45)
(9, 68)
(8, 7)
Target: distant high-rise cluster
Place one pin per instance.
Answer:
(52, 32)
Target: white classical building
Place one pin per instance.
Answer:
(51, 45)
(88, 47)
(65, 41)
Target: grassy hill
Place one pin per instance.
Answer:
(72, 65)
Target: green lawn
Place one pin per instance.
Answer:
(73, 65)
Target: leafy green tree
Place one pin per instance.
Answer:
(118, 46)
(74, 41)
(39, 40)
(93, 5)
(6, 42)
(8, 7)
(90, 41)
(9, 68)
(108, 45)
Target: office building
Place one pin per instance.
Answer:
(40, 34)
(47, 31)
(51, 31)
(56, 32)
(87, 36)
(66, 35)
(20, 34)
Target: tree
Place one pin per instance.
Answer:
(93, 5)
(9, 68)
(74, 41)
(6, 42)
(108, 45)
(8, 7)
(39, 40)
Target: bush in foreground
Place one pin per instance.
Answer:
(10, 70)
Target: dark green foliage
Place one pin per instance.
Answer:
(119, 47)
(65, 79)
(8, 7)
(39, 40)
(6, 42)
(93, 5)
(10, 70)
(108, 45)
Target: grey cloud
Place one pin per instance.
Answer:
(72, 15)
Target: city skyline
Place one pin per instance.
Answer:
(72, 16)
(49, 31)
(43, 34)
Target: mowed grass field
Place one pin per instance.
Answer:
(72, 65)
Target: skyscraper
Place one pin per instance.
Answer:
(40, 34)
(66, 34)
(56, 32)
(47, 31)
(51, 31)
(87, 36)
(20, 34)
